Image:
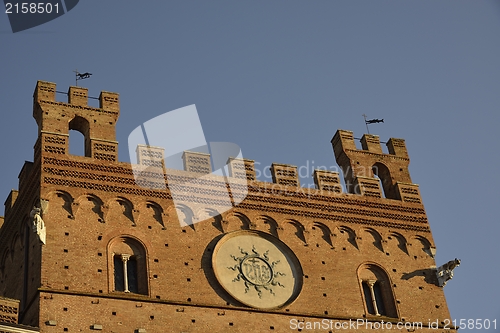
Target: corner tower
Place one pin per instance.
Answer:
(55, 119)
(364, 168)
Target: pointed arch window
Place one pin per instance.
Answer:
(377, 292)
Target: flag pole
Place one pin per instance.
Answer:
(76, 77)
(364, 116)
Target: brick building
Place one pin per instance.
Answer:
(86, 245)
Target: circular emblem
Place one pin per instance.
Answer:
(257, 269)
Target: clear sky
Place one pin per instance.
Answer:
(278, 78)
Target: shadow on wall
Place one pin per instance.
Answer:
(206, 263)
(428, 273)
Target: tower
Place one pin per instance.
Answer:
(364, 168)
(113, 252)
(96, 124)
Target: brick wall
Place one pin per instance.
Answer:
(93, 209)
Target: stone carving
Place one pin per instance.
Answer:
(256, 271)
(445, 272)
(38, 225)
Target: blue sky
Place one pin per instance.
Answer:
(280, 77)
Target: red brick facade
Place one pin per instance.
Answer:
(346, 243)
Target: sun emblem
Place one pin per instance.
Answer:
(256, 271)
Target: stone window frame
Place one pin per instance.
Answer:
(376, 290)
(128, 248)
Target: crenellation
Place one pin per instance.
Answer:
(371, 162)
(78, 96)
(109, 101)
(341, 141)
(285, 174)
(371, 143)
(328, 181)
(242, 168)
(408, 192)
(56, 119)
(44, 91)
(150, 156)
(397, 147)
(197, 162)
(367, 186)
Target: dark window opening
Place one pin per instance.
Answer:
(125, 269)
(119, 277)
(128, 266)
(133, 286)
(379, 298)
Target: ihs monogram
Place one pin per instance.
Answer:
(256, 271)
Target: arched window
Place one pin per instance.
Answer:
(127, 261)
(373, 297)
(382, 172)
(126, 273)
(377, 292)
(381, 184)
(76, 142)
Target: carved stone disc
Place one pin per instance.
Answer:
(257, 269)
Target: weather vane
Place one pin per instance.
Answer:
(371, 121)
(81, 76)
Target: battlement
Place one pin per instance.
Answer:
(367, 171)
(344, 141)
(150, 156)
(77, 96)
(327, 181)
(56, 119)
(196, 162)
(285, 174)
(376, 185)
(242, 168)
(364, 169)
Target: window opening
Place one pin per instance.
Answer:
(126, 273)
(76, 143)
(377, 293)
(373, 298)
